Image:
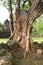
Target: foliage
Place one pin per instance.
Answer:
(5, 3)
(1, 26)
(38, 27)
(38, 24)
(26, 5)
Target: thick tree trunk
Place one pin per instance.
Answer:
(23, 25)
(22, 32)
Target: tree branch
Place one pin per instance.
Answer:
(34, 4)
(35, 13)
(11, 15)
(18, 7)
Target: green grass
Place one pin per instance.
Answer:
(39, 40)
(3, 40)
(34, 39)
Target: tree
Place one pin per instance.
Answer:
(23, 24)
(11, 16)
(8, 5)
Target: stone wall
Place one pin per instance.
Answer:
(4, 34)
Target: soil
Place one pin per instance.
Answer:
(12, 54)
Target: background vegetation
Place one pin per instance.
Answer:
(38, 24)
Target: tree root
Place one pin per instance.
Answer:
(11, 36)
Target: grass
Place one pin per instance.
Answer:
(39, 40)
(3, 40)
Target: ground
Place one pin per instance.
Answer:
(12, 54)
(3, 40)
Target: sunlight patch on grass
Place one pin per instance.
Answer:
(4, 40)
(39, 40)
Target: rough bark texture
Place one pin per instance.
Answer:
(23, 24)
(11, 16)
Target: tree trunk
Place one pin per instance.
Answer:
(11, 16)
(23, 25)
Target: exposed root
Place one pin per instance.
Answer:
(11, 36)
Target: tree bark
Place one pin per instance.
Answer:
(11, 16)
(23, 25)
(35, 11)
